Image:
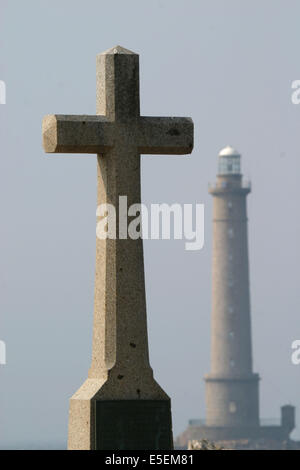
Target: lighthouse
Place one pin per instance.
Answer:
(231, 386)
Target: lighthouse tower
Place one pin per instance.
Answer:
(231, 386)
(232, 404)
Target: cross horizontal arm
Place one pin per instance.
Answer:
(76, 134)
(165, 135)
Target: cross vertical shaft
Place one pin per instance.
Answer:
(120, 307)
(119, 316)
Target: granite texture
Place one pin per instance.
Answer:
(120, 368)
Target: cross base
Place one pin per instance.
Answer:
(97, 422)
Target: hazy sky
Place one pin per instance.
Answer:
(227, 64)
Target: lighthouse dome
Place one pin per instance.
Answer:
(229, 151)
(229, 161)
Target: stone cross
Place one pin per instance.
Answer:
(120, 406)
